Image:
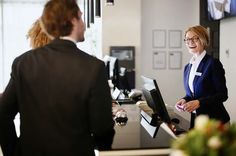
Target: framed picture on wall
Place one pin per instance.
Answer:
(159, 38)
(175, 59)
(159, 59)
(175, 39)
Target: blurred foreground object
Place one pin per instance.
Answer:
(208, 138)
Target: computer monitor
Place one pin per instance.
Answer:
(124, 83)
(107, 66)
(113, 69)
(155, 101)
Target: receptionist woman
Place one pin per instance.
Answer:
(204, 79)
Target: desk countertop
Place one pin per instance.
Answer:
(134, 136)
(133, 139)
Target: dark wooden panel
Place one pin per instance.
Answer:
(213, 27)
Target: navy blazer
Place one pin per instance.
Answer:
(64, 102)
(209, 88)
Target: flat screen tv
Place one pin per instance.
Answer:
(154, 100)
(220, 9)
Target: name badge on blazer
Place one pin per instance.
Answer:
(198, 74)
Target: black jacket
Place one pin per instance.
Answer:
(64, 102)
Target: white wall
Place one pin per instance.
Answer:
(14, 30)
(166, 15)
(227, 43)
(121, 26)
(1, 53)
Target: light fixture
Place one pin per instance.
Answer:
(109, 2)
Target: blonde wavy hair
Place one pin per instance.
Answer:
(202, 33)
(37, 36)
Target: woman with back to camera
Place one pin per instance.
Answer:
(204, 79)
(37, 36)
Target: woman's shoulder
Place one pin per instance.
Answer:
(214, 63)
(210, 59)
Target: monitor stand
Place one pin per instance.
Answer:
(150, 123)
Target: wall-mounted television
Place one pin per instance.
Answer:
(220, 9)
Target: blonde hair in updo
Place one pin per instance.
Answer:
(37, 36)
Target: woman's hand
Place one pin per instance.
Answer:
(180, 105)
(191, 106)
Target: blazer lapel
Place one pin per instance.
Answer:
(199, 72)
(187, 76)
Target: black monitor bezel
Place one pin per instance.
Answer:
(154, 99)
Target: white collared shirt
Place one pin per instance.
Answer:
(195, 61)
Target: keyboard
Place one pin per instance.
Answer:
(125, 101)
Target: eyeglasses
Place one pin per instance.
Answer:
(193, 39)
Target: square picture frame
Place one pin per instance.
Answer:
(159, 38)
(175, 38)
(159, 59)
(175, 60)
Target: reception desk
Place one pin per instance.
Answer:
(133, 138)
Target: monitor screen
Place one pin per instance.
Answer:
(220, 9)
(125, 55)
(154, 99)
